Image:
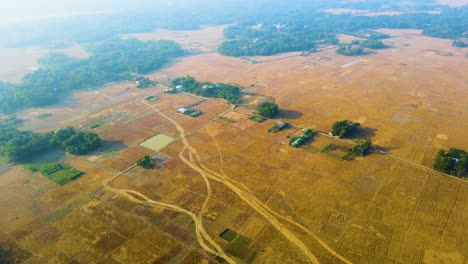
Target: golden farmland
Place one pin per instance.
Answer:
(286, 205)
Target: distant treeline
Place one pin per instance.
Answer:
(302, 30)
(113, 60)
(19, 146)
(189, 15)
(229, 92)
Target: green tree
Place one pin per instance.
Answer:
(268, 109)
(453, 161)
(146, 162)
(344, 128)
(362, 148)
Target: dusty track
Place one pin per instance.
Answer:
(244, 195)
(289, 220)
(201, 233)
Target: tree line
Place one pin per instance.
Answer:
(302, 30)
(113, 60)
(23, 145)
(229, 92)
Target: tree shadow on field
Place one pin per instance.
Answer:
(289, 114)
(108, 146)
(363, 132)
(384, 149)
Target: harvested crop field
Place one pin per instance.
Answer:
(281, 201)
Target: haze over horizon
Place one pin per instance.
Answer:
(27, 10)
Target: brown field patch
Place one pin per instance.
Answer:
(374, 209)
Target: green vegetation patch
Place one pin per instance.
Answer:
(238, 246)
(350, 50)
(112, 60)
(143, 82)
(229, 235)
(11, 121)
(228, 92)
(267, 109)
(146, 162)
(453, 161)
(97, 124)
(257, 119)
(44, 116)
(278, 126)
(20, 146)
(344, 128)
(57, 172)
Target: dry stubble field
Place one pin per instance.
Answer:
(410, 98)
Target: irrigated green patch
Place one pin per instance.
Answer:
(57, 172)
(229, 235)
(238, 246)
(257, 119)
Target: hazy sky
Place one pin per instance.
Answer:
(16, 10)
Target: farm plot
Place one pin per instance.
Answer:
(157, 142)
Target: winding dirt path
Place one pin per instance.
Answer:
(199, 229)
(289, 220)
(195, 164)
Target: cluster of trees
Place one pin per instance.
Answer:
(145, 162)
(304, 15)
(265, 46)
(356, 47)
(113, 60)
(452, 161)
(362, 147)
(18, 146)
(302, 29)
(344, 128)
(144, 83)
(267, 109)
(229, 92)
(373, 44)
(350, 50)
(459, 44)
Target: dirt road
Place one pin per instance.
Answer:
(195, 163)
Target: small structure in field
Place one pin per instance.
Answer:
(182, 110)
(151, 98)
(280, 125)
(190, 111)
(299, 141)
(170, 91)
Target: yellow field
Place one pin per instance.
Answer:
(287, 205)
